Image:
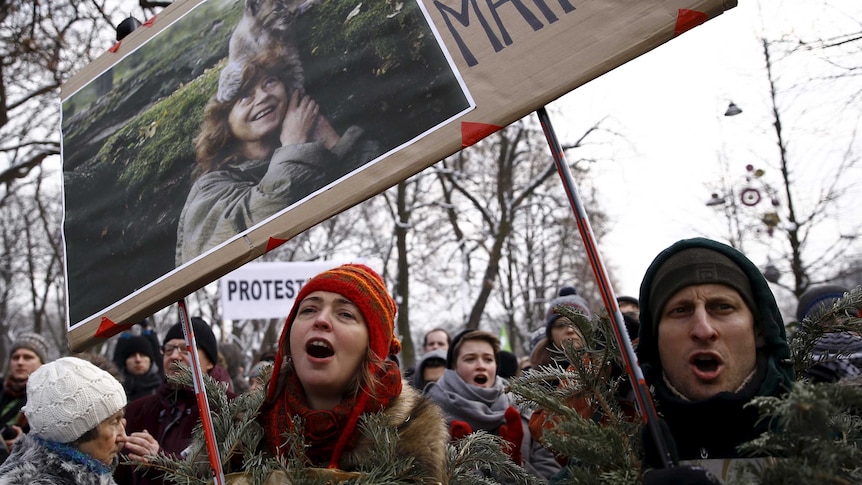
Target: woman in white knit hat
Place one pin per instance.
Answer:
(77, 428)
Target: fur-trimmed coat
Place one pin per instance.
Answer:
(32, 464)
(422, 435)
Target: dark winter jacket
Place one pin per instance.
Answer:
(169, 415)
(32, 463)
(713, 428)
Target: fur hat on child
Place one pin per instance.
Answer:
(568, 296)
(204, 337)
(70, 396)
(32, 342)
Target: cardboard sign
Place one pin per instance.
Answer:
(222, 128)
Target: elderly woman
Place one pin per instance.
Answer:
(75, 411)
(332, 369)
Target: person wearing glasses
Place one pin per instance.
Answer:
(163, 422)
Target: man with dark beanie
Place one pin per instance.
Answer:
(163, 422)
(136, 356)
(711, 339)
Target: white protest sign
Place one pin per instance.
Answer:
(266, 289)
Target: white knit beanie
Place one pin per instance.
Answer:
(70, 396)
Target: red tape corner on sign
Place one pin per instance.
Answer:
(107, 328)
(149, 23)
(471, 133)
(274, 243)
(687, 20)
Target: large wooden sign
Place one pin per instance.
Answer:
(222, 128)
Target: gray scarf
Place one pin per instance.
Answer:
(481, 408)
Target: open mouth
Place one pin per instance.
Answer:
(481, 380)
(319, 349)
(705, 363)
(263, 113)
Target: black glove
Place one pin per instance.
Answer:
(680, 475)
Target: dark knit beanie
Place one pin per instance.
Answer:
(696, 266)
(568, 296)
(627, 299)
(32, 342)
(817, 297)
(507, 364)
(128, 345)
(204, 337)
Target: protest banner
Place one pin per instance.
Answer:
(266, 289)
(162, 192)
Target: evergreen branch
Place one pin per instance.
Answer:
(478, 458)
(819, 432)
(841, 316)
(590, 427)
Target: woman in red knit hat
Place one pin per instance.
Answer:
(331, 369)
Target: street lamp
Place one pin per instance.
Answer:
(732, 109)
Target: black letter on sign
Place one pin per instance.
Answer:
(463, 18)
(531, 19)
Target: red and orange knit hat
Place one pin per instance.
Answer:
(365, 288)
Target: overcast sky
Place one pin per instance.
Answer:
(668, 107)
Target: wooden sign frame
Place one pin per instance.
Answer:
(480, 67)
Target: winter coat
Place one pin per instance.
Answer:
(169, 415)
(225, 202)
(31, 463)
(422, 434)
(714, 427)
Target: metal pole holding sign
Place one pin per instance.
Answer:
(642, 394)
(201, 395)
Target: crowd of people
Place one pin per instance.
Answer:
(709, 338)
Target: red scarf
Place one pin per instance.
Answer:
(327, 433)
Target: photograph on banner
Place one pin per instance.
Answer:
(233, 113)
(268, 289)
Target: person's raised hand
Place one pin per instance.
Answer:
(299, 120)
(459, 429)
(141, 444)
